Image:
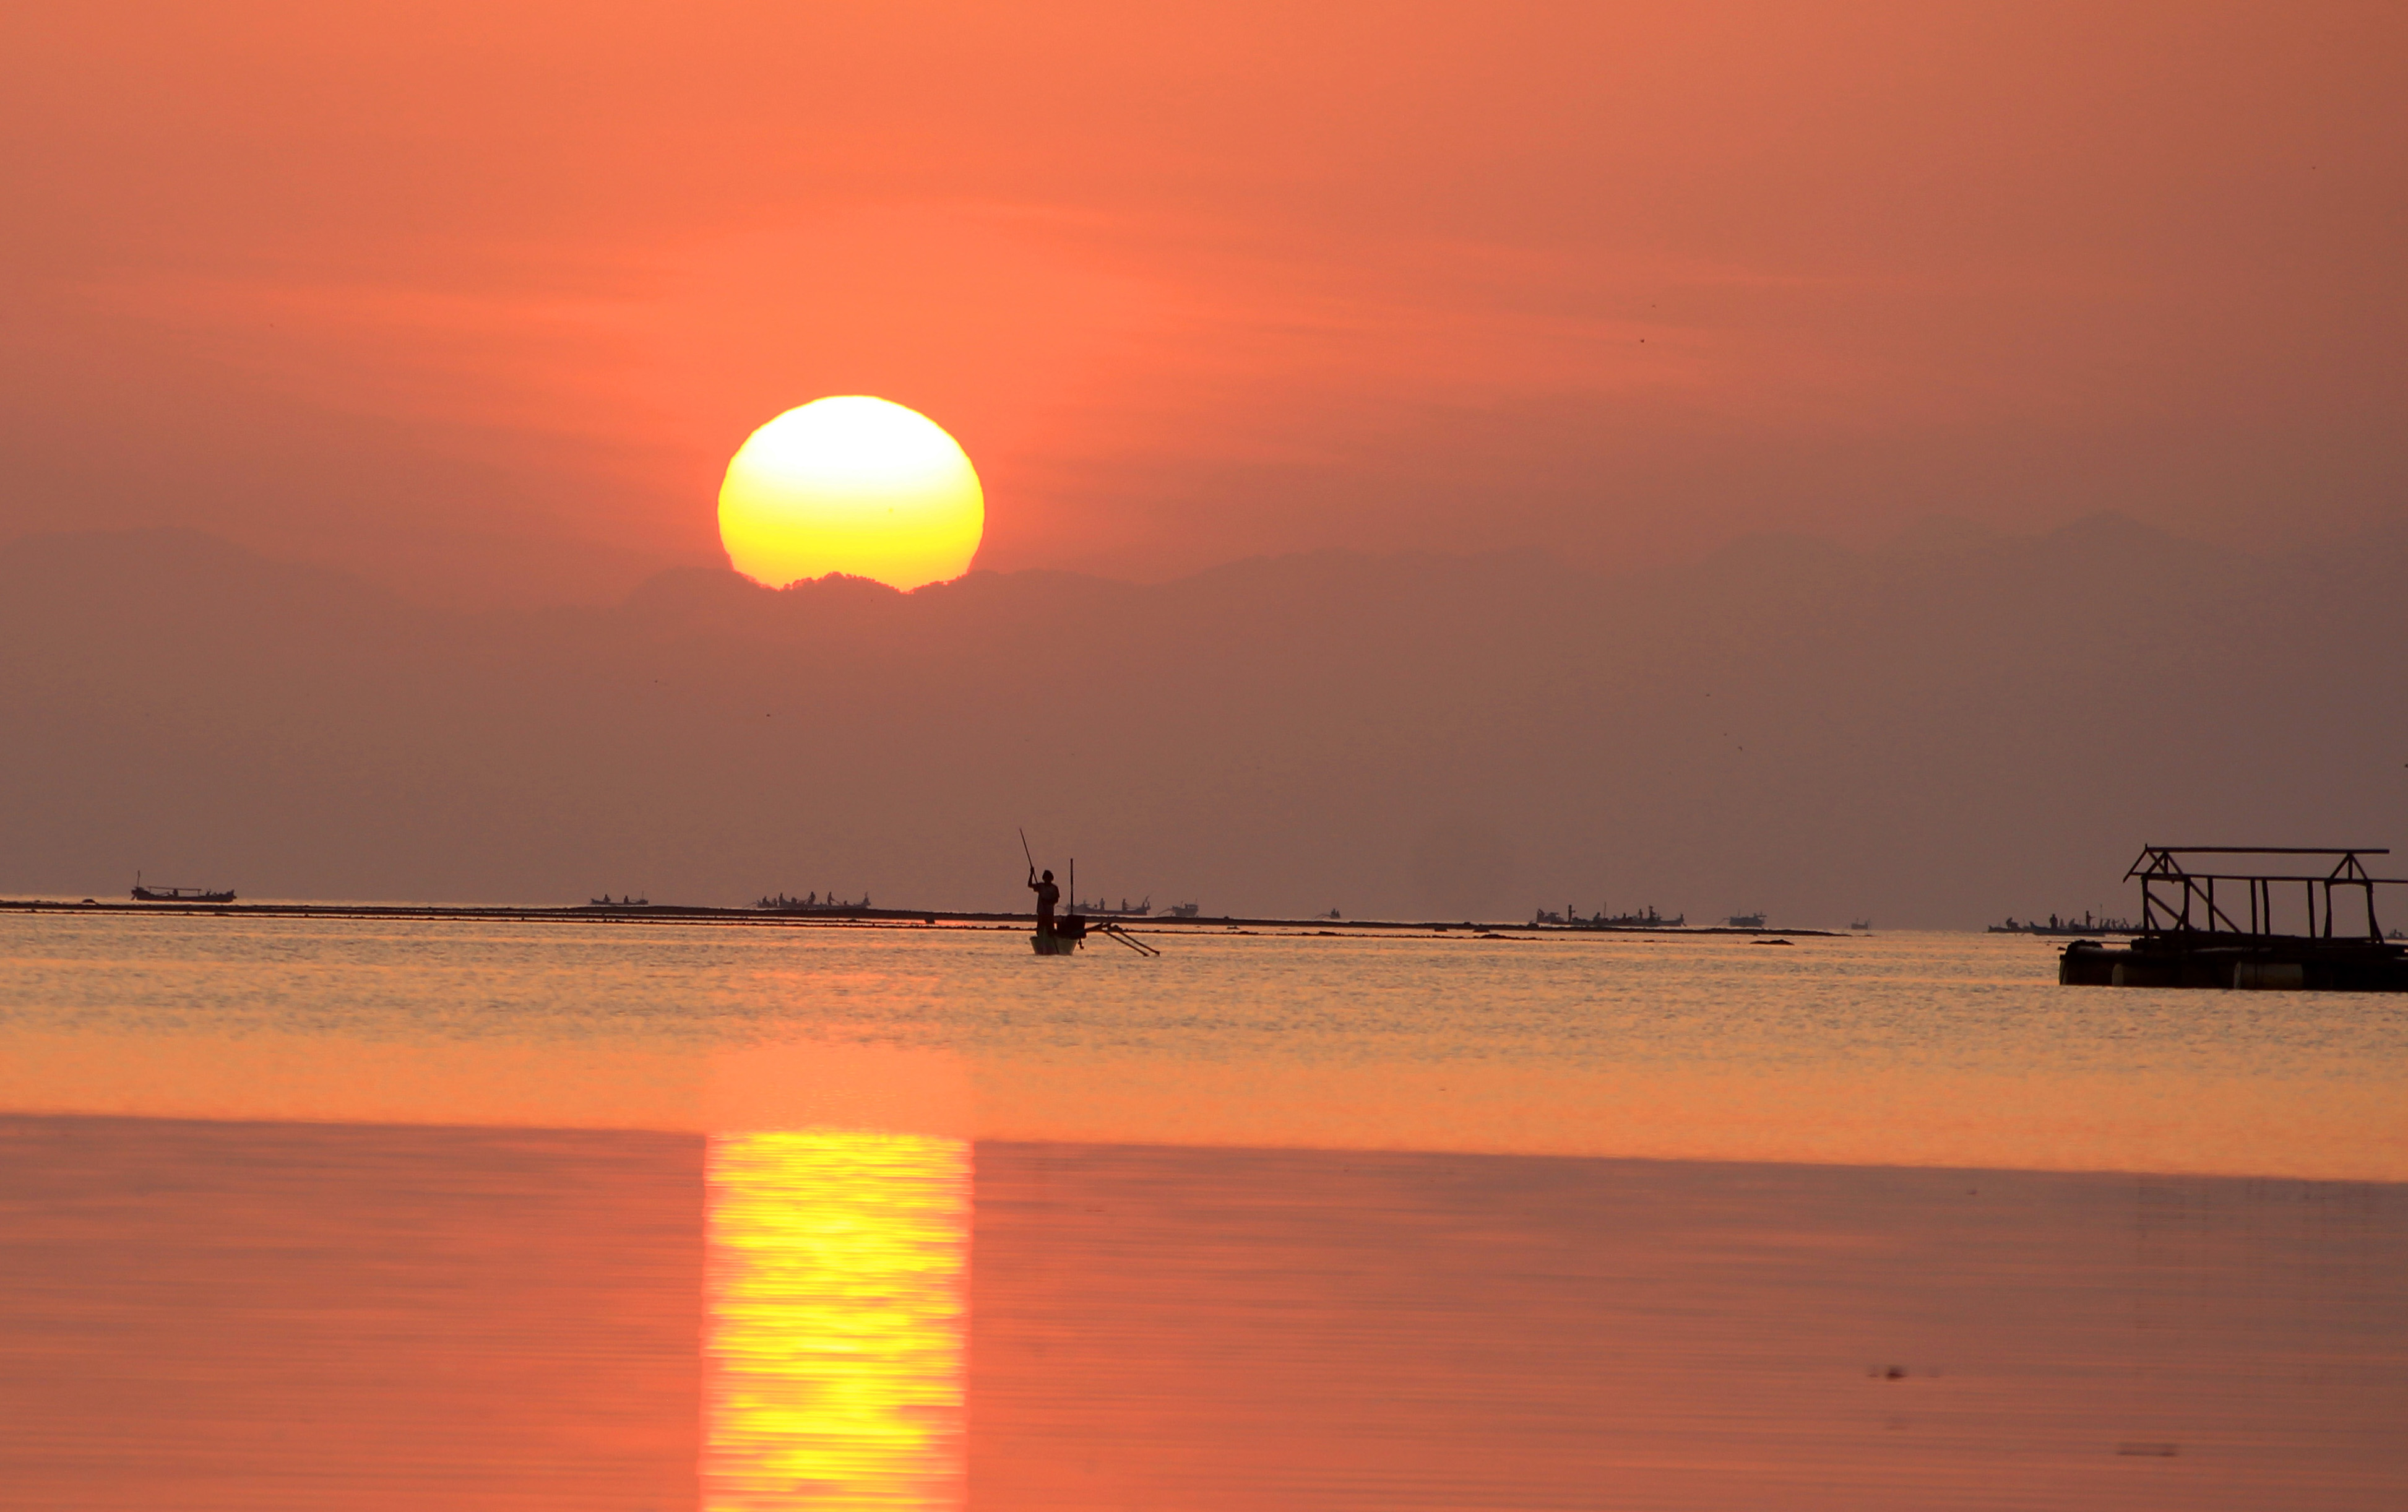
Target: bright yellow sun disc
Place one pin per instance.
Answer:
(854, 486)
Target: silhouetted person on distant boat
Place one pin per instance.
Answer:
(1047, 896)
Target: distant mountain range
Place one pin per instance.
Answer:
(1939, 734)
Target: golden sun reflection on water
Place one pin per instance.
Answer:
(837, 1321)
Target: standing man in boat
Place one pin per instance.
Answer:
(1047, 896)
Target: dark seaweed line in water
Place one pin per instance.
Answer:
(823, 918)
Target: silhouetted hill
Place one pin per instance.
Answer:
(1933, 735)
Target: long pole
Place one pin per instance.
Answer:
(1023, 850)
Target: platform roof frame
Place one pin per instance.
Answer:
(2159, 866)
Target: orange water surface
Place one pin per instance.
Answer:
(320, 1213)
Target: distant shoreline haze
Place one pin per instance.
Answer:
(1933, 735)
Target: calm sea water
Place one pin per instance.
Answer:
(354, 1214)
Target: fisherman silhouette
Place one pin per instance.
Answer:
(1047, 896)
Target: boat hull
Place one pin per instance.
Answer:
(1047, 943)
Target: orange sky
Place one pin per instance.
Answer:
(479, 299)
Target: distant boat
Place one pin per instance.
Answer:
(1865, 924)
(1649, 920)
(1126, 911)
(1571, 918)
(2069, 924)
(178, 895)
(1747, 921)
(814, 903)
(606, 900)
(1182, 910)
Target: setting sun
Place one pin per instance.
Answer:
(853, 484)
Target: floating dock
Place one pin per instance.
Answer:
(2190, 938)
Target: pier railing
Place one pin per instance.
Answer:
(2176, 900)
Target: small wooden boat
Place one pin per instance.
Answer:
(1066, 936)
(1065, 933)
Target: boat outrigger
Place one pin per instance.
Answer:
(178, 895)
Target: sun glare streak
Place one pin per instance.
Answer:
(851, 484)
(836, 1319)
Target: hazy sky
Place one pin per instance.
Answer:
(477, 299)
(1929, 737)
